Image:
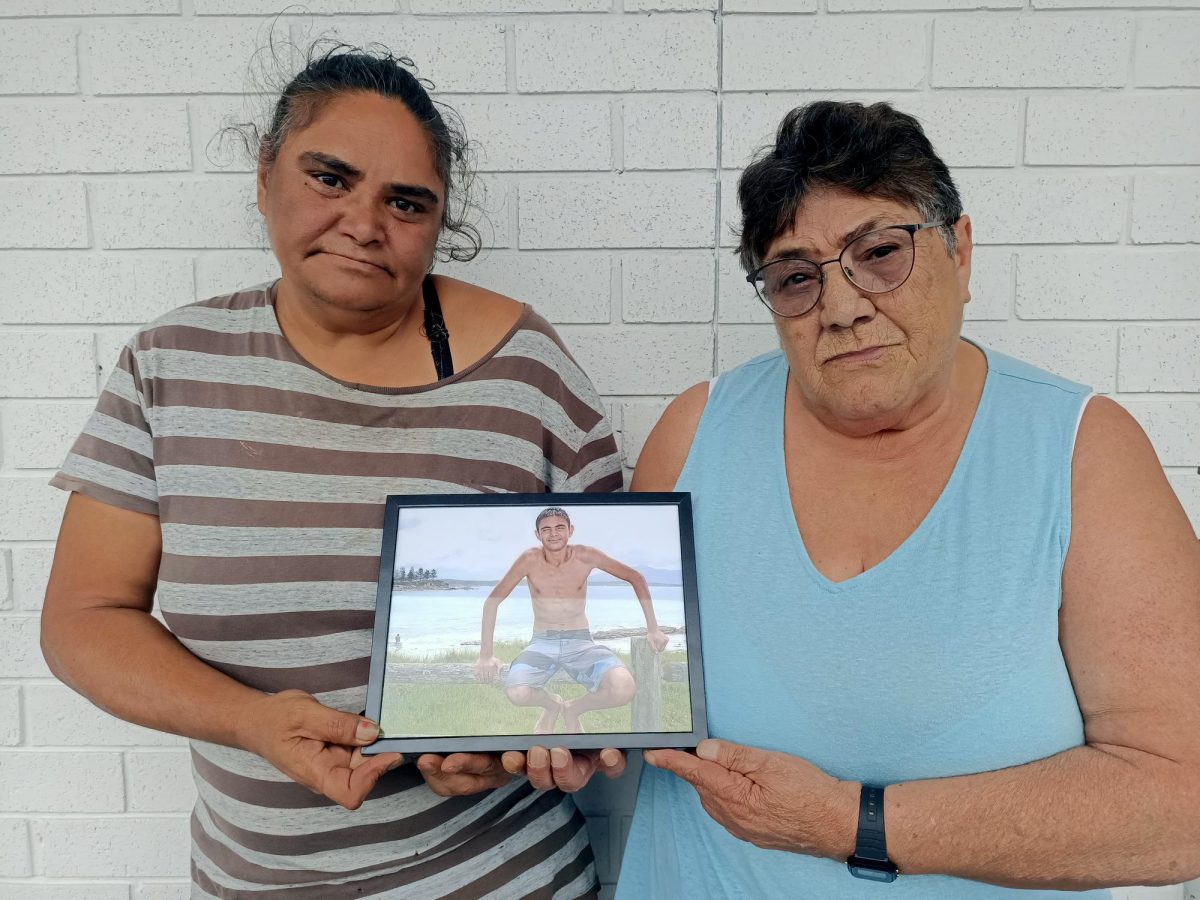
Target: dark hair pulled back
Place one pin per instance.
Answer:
(333, 69)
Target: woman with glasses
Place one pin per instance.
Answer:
(949, 599)
(236, 466)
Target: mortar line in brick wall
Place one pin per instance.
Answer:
(616, 289)
(1014, 261)
(1127, 228)
(125, 781)
(195, 153)
(1130, 67)
(1117, 364)
(105, 17)
(60, 816)
(1163, 397)
(487, 16)
(89, 218)
(998, 13)
(719, 193)
(536, 176)
(927, 81)
(616, 123)
(510, 57)
(80, 40)
(835, 93)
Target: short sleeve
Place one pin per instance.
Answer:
(597, 466)
(113, 459)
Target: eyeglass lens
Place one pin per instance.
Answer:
(877, 262)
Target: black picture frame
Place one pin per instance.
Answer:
(392, 683)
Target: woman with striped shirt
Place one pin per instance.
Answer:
(236, 465)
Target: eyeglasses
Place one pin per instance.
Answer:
(876, 262)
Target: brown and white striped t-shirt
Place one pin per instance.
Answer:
(268, 478)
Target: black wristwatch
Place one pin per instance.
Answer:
(870, 859)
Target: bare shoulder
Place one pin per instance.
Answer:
(1123, 510)
(587, 554)
(472, 307)
(1111, 445)
(1128, 623)
(667, 447)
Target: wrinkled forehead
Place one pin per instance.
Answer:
(829, 218)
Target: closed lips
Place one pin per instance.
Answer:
(858, 350)
(366, 262)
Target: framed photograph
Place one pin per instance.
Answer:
(504, 621)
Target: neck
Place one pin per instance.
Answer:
(318, 322)
(557, 557)
(904, 432)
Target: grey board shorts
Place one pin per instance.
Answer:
(572, 651)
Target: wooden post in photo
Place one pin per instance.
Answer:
(647, 672)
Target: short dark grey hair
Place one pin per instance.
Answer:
(334, 69)
(876, 151)
(551, 512)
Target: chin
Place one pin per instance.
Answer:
(345, 293)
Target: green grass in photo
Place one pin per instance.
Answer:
(452, 710)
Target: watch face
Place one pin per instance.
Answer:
(885, 875)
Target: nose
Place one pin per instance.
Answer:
(362, 219)
(843, 304)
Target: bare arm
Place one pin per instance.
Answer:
(504, 587)
(667, 447)
(98, 637)
(637, 581)
(1125, 807)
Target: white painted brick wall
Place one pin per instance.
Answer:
(47, 363)
(88, 135)
(540, 133)
(1160, 129)
(25, 223)
(1166, 208)
(70, 890)
(196, 212)
(30, 572)
(1096, 284)
(110, 845)
(569, 286)
(64, 781)
(617, 211)
(689, 119)
(10, 715)
(1167, 52)
(1084, 50)
(160, 781)
(786, 52)
(1160, 358)
(71, 288)
(6, 598)
(611, 134)
(37, 430)
(629, 53)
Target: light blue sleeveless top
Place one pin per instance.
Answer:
(941, 660)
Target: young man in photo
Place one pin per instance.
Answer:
(557, 572)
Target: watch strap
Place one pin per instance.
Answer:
(870, 845)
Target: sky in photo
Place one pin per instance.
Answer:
(481, 542)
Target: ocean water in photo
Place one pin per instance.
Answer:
(428, 622)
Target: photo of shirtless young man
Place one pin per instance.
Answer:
(557, 573)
